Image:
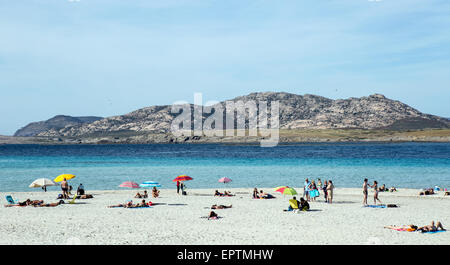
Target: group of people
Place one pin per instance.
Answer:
(311, 190)
(67, 189)
(35, 203)
(366, 186)
(130, 204)
(155, 194)
(261, 194)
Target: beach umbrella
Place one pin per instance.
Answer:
(129, 184)
(182, 178)
(150, 184)
(42, 182)
(63, 176)
(225, 180)
(286, 190)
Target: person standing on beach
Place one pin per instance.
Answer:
(330, 188)
(365, 191)
(178, 187)
(375, 189)
(325, 191)
(65, 188)
(306, 189)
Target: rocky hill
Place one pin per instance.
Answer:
(56, 123)
(296, 112)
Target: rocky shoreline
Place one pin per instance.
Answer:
(285, 137)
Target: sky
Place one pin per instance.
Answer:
(111, 57)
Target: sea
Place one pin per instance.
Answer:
(105, 167)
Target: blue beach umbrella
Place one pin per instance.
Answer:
(150, 184)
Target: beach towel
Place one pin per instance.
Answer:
(375, 206)
(314, 193)
(434, 232)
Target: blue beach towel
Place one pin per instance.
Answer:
(434, 232)
(375, 206)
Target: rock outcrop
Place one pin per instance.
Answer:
(296, 112)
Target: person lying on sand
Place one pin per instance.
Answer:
(138, 195)
(427, 192)
(125, 205)
(212, 215)
(409, 228)
(27, 202)
(227, 193)
(217, 193)
(412, 228)
(263, 195)
(54, 204)
(392, 189)
(431, 228)
(215, 206)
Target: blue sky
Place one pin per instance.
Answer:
(110, 57)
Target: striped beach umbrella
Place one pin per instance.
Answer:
(150, 184)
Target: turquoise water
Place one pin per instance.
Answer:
(407, 165)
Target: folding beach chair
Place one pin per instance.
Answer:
(10, 200)
(294, 205)
(73, 200)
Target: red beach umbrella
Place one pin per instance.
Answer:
(182, 178)
(129, 184)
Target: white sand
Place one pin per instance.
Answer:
(250, 221)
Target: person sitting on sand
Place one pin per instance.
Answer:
(145, 195)
(155, 192)
(392, 189)
(138, 195)
(290, 207)
(382, 188)
(80, 189)
(304, 205)
(255, 193)
(431, 228)
(215, 206)
(212, 215)
(263, 195)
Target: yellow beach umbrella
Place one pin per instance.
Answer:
(63, 176)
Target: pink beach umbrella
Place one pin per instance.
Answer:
(225, 180)
(129, 184)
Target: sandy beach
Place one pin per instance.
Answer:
(177, 219)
